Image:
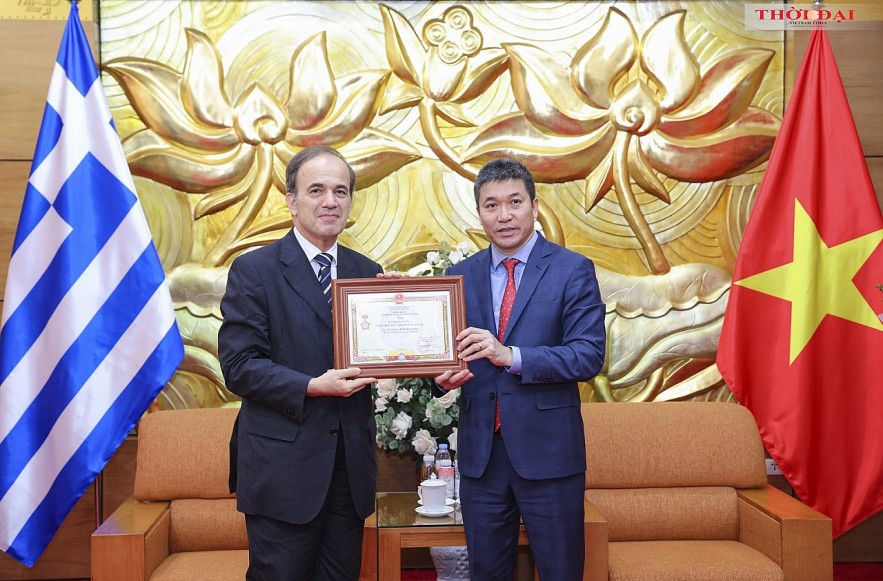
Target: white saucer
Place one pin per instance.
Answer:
(448, 501)
(444, 512)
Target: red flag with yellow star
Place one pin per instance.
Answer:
(801, 341)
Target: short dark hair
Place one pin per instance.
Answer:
(500, 170)
(306, 155)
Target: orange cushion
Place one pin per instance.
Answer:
(184, 454)
(689, 561)
(666, 444)
(203, 566)
(645, 514)
(203, 525)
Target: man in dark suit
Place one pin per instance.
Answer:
(536, 328)
(302, 450)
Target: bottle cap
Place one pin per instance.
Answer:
(428, 457)
(442, 446)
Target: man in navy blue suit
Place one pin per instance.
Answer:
(536, 328)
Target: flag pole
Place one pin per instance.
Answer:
(99, 492)
(98, 489)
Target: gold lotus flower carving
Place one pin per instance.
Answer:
(625, 109)
(450, 69)
(233, 150)
(453, 69)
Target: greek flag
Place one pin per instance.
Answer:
(88, 336)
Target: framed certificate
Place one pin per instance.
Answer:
(398, 327)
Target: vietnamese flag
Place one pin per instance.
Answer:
(801, 344)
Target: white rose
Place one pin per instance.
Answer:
(380, 405)
(400, 425)
(455, 256)
(424, 443)
(386, 388)
(452, 440)
(404, 395)
(463, 247)
(432, 257)
(448, 399)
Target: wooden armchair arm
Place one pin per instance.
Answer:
(595, 567)
(787, 531)
(132, 542)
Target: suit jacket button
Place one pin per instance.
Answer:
(499, 370)
(492, 395)
(333, 431)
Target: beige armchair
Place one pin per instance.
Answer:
(678, 491)
(181, 524)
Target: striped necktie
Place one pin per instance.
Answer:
(324, 261)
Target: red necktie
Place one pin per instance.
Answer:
(505, 311)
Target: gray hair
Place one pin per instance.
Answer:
(306, 155)
(500, 170)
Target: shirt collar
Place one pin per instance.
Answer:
(521, 254)
(311, 250)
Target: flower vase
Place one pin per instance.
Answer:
(451, 563)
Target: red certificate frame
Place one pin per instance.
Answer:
(398, 327)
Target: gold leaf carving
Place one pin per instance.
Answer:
(542, 89)
(183, 169)
(728, 152)
(355, 105)
(667, 58)
(201, 90)
(404, 50)
(311, 90)
(551, 158)
(152, 89)
(613, 47)
(724, 94)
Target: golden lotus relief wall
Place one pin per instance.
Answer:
(647, 126)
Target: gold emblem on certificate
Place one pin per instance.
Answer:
(403, 327)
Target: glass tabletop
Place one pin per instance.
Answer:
(399, 509)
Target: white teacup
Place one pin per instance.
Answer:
(432, 494)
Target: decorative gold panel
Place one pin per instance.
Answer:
(647, 126)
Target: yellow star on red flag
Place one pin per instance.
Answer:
(818, 282)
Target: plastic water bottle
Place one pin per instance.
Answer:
(445, 468)
(427, 470)
(441, 454)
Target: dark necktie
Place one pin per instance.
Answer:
(324, 262)
(505, 311)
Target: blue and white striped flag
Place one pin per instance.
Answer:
(88, 335)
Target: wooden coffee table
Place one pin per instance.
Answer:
(399, 526)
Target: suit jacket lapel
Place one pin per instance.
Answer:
(346, 266)
(300, 275)
(536, 266)
(481, 273)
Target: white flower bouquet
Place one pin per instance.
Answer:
(408, 417)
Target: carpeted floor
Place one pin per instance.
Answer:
(418, 575)
(858, 572)
(842, 572)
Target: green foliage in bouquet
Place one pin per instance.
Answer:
(408, 417)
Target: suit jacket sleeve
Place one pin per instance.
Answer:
(579, 355)
(244, 342)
